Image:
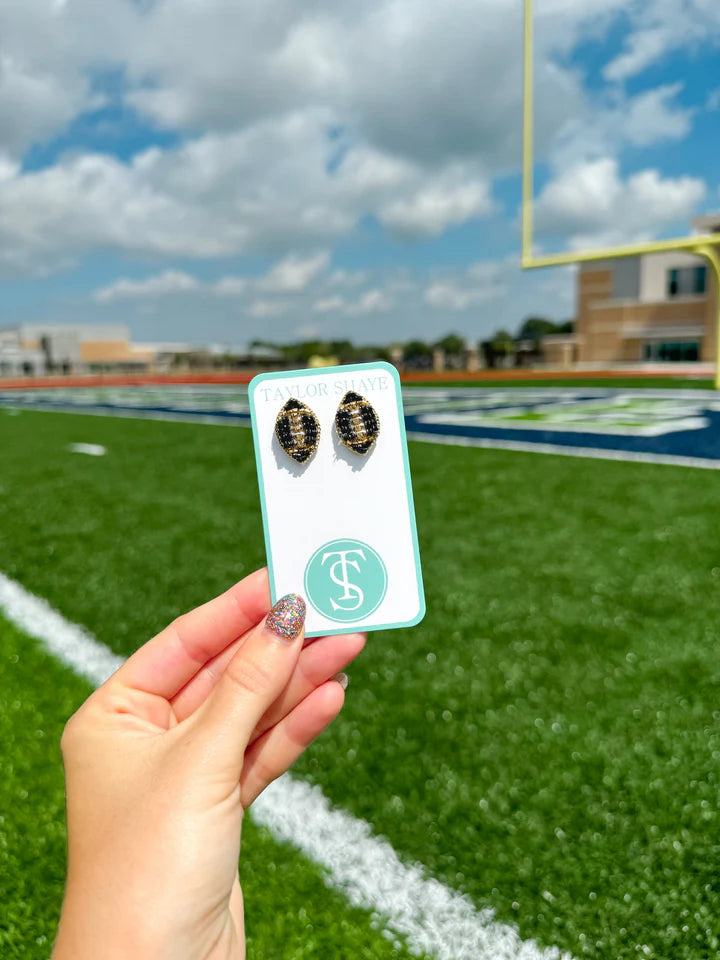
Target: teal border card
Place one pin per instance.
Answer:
(320, 371)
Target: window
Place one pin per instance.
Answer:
(686, 281)
(672, 351)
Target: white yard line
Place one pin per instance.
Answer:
(127, 414)
(594, 453)
(600, 428)
(434, 919)
(68, 642)
(91, 449)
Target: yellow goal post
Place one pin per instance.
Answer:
(707, 246)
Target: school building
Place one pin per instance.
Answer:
(659, 307)
(32, 349)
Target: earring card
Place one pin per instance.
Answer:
(339, 527)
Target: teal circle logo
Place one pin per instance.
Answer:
(345, 580)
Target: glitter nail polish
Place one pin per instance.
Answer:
(287, 617)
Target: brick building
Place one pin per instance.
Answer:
(36, 348)
(657, 307)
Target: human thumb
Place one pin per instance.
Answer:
(251, 682)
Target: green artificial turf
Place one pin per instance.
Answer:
(36, 694)
(291, 915)
(547, 740)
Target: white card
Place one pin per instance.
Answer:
(340, 528)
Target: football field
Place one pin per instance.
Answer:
(546, 742)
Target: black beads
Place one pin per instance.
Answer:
(298, 430)
(357, 423)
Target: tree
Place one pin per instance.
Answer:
(417, 353)
(416, 348)
(368, 353)
(301, 352)
(502, 343)
(533, 328)
(497, 348)
(343, 350)
(451, 345)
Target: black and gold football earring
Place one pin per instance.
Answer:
(357, 423)
(298, 430)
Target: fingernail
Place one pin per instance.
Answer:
(343, 679)
(287, 617)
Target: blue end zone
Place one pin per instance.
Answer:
(670, 425)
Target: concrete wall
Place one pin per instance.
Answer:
(72, 347)
(84, 332)
(626, 278)
(611, 330)
(61, 348)
(15, 361)
(654, 270)
(559, 350)
(108, 351)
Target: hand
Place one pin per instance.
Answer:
(162, 760)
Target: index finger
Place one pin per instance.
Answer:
(167, 662)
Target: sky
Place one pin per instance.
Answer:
(219, 171)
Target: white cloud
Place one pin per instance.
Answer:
(391, 306)
(328, 304)
(218, 196)
(491, 273)
(450, 296)
(408, 77)
(298, 122)
(294, 273)
(373, 301)
(47, 51)
(660, 27)
(346, 278)
(261, 309)
(231, 286)
(168, 282)
(307, 331)
(260, 89)
(643, 49)
(592, 205)
(436, 206)
(481, 282)
(652, 117)
(304, 119)
(615, 120)
(713, 100)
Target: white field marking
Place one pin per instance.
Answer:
(594, 453)
(434, 919)
(572, 393)
(172, 416)
(91, 449)
(702, 463)
(598, 426)
(68, 642)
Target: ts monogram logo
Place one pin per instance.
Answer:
(339, 575)
(345, 580)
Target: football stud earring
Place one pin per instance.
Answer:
(298, 430)
(357, 423)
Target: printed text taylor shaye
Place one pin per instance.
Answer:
(307, 389)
